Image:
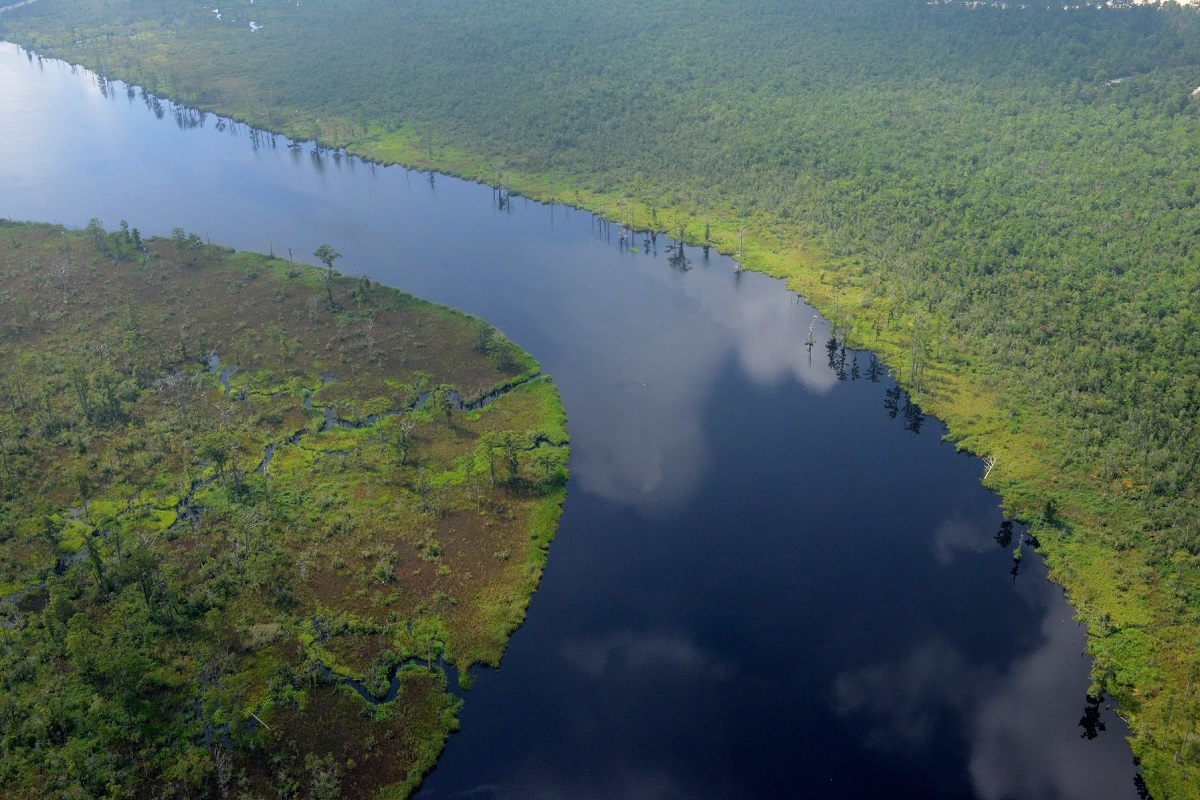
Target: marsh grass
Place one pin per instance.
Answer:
(199, 591)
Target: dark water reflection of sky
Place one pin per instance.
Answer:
(763, 585)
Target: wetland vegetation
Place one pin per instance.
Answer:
(999, 201)
(239, 499)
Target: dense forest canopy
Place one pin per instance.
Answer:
(1001, 200)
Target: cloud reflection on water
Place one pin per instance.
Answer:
(645, 655)
(670, 676)
(1006, 761)
(769, 327)
(1011, 718)
(958, 535)
(654, 450)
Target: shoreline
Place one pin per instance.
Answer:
(15, 6)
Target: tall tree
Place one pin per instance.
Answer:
(327, 255)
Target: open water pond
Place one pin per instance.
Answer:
(768, 580)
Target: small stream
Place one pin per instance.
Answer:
(187, 511)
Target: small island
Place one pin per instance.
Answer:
(256, 518)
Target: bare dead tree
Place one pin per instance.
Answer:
(224, 762)
(404, 434)
(60, 271)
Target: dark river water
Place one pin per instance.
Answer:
(767, 581)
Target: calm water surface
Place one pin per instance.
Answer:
(766, 582)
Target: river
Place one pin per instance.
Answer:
(769, 579)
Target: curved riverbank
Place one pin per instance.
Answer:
(1141, 646)
(199, 569)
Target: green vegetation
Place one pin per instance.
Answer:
(195, 558)
(1001, 202)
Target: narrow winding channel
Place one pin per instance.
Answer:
(768, 580)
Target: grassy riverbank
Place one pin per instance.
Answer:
(197, 557)
(1002, 204)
